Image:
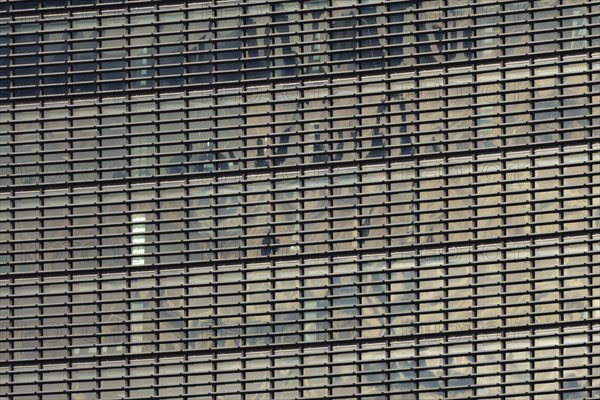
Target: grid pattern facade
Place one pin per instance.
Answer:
(379, 200)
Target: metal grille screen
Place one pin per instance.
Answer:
(379, 200)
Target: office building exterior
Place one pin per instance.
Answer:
(378, 200)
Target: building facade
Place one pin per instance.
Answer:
(378, 200)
